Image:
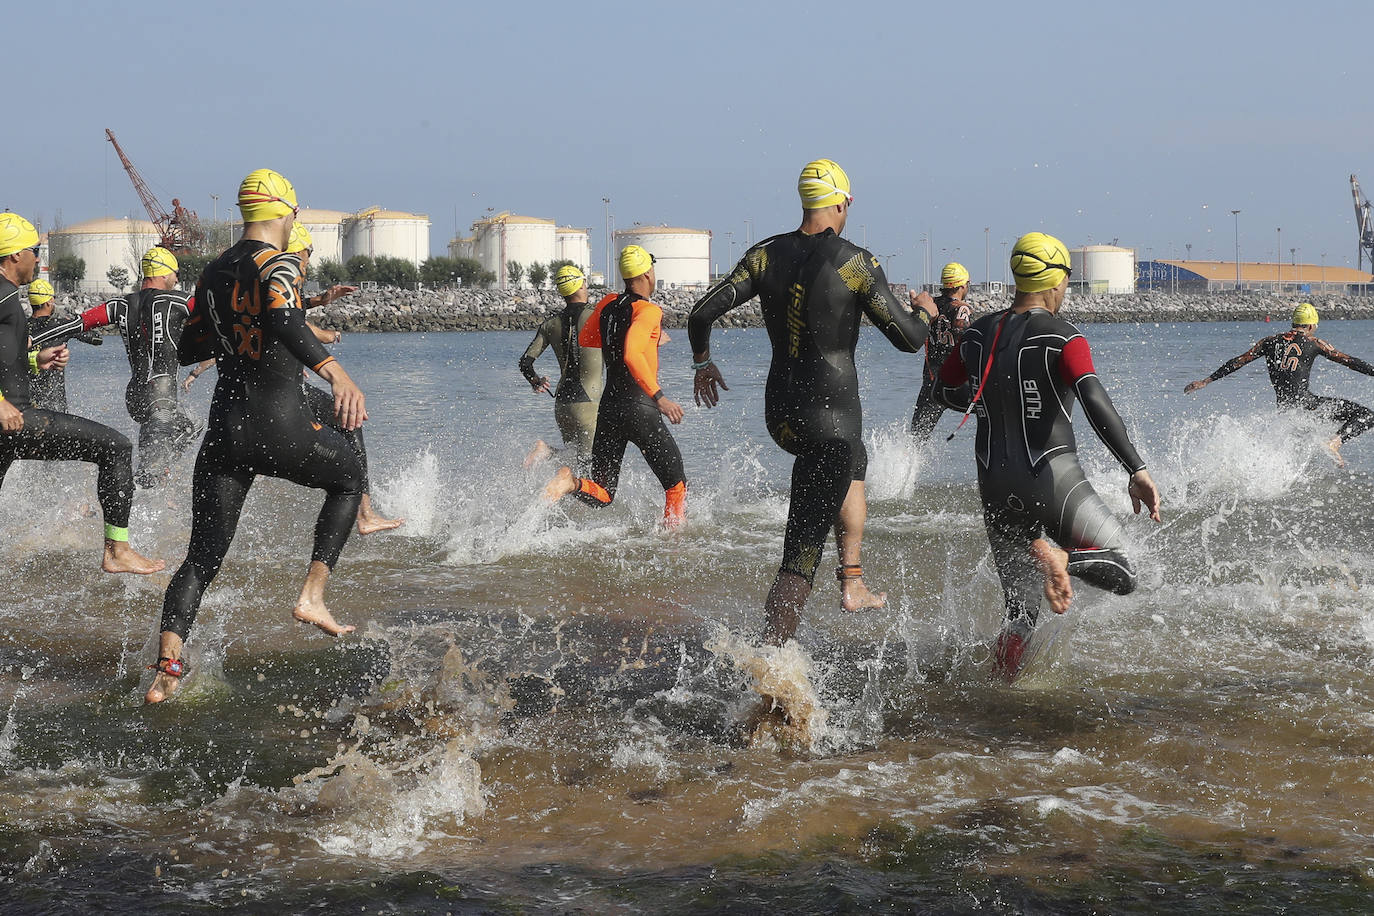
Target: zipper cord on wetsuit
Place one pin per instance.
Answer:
(992, 352)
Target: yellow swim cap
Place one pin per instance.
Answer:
(16, 234)
(823, 184)
(1039, 262)
(265, 195)
(301, 239)
(954, 275)
(568, 280)
(634, 262)
(1305, 313)
(159, 262)
(40, 291)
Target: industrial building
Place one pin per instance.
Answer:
(1103, 269)
(1208, 276)
(103, 243)
(683, 256)
(326, 230)
(385, 233)
(574, 245)
(497, 240)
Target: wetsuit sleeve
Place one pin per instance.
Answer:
(735, 290)
(1345, 359)
(103, 314)
(641, 347)
(537, 346)
(284, 314)
(864, 276)
(1231, 365)
(13, 330)
(1076, 368)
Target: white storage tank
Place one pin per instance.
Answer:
(391, 233)
(573, 245)
(104, 243)
(326, 229)
(683, 256)
(508, 237)
(463, 248)
(1103, 269)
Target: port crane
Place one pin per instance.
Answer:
(1364, 224)
(180, 231)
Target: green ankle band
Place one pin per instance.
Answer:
(116, 534)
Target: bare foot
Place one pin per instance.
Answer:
(1334, 447)
(540, 452)
(370, 522)
(855, 596)
(1054, 563)
(121, 558)
(562, 484)
(163, 686)
(308, 611)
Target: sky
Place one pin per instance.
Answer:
(961, 125)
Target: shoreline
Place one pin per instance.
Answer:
(387, 310)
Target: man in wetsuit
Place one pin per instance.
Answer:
(945, 329)
(814, 287)
(34, 434)
(151, 321)
(1289, 357)
(626, 327)
(48, 389)
(249, 317)
(576, 398)
(1024, 367)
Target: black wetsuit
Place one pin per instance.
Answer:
(52, 436)
(1028, 474)
(151, 322)
(578, 392)
(945, 330)
(813, 289)
(249, 316)
(1289, 358)
(48, 389)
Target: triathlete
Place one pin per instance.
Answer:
(34, 434)
(626, 327)
(1289, 357)
(249, 316)
(48, 389)
(151, 321)
(945, 330)
(578, 392)
(814, 287)
(1025, 366)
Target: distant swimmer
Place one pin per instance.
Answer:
(150, 321)
(249, 316)
(948, 325)
(626, 328)
(814, 287)
(578, 393)
(1289, 357)
(1024, 367)
(34, 434)
(48, 389)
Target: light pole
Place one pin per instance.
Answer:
(1236, 215)
(887, 264)
(1293, 260)
(1323, 271)
(1278, 261)
(1005, 262)
(748, 233)
(730, 257)
(1189, 247)
(987, 256)
(606, 201)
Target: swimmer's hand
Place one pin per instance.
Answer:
(670, 409)
(337, 291)
(1144, 493)
(704, 386)
(1194, 386)
(542, 386)
(11, 417)
(349, 406)
(54, 357)
(923, 300)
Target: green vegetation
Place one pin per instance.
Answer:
(68, 272)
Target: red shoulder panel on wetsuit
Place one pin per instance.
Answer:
(953, 371)
(1076, 360)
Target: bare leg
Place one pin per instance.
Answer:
(540, 452)
(1334, 447)
(311, 608)
(1054, 563)
(849, 537)
(782, 611)
(563, 483)
(121, 558)
(164, 685)
(370, 521)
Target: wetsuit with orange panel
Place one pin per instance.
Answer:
(626, 328)
(250, 318)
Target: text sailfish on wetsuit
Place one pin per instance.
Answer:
(795, 322)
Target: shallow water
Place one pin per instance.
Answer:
(540, 711)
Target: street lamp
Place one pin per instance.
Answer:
(887, 263)
(1278, 261)
(1323, 271)
(1236, 215)
(748, 233)
(730, 257)
(987, 257)
(1005, 261)
(607, 202)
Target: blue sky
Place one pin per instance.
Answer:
(1142, 123)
